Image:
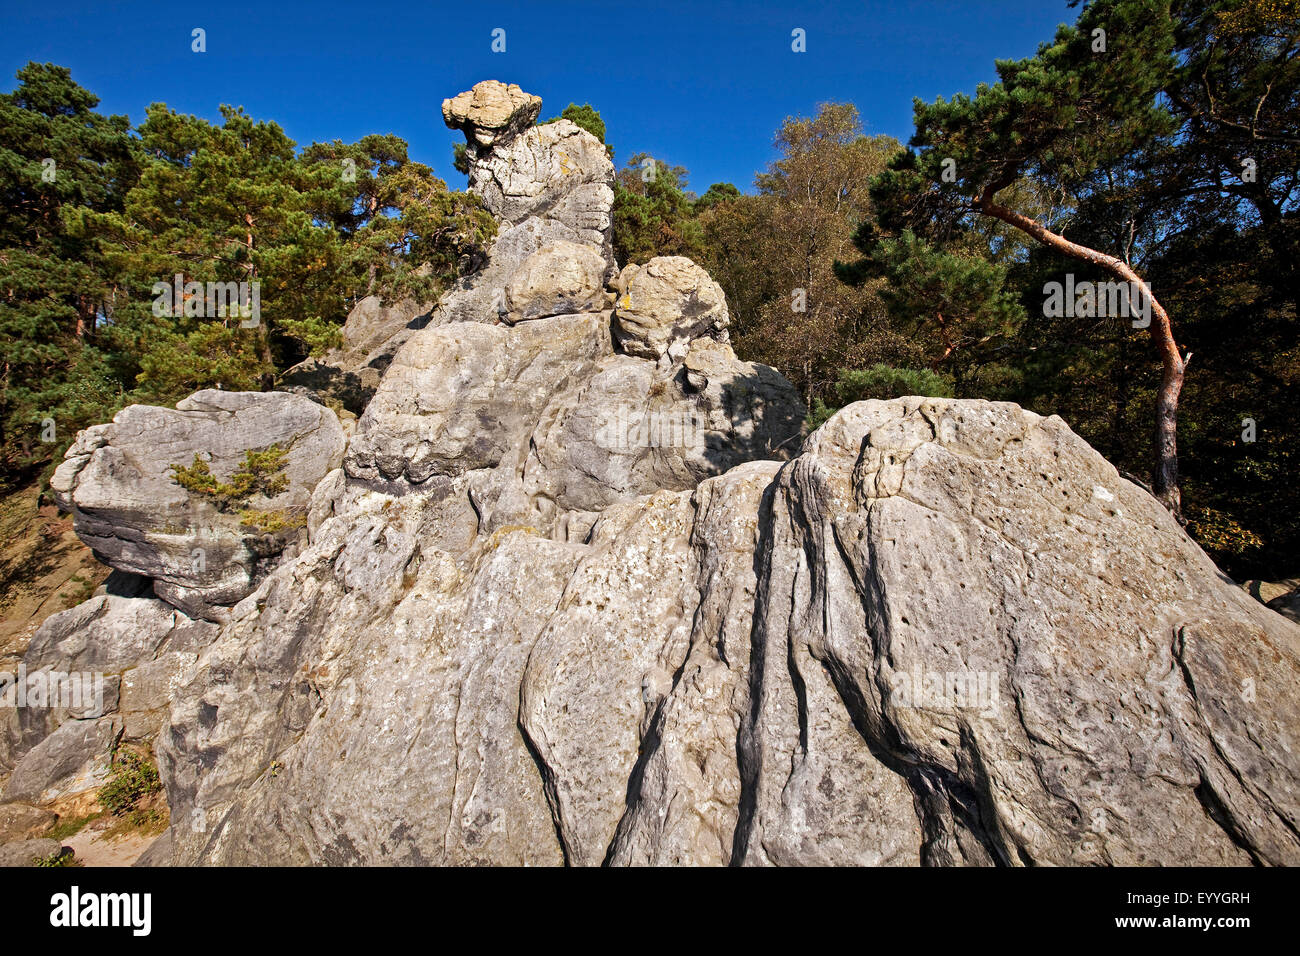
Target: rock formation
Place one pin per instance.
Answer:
(579, 590)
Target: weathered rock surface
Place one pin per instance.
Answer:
(372, 334)
(558, 279)
(100, 653)
(966, 597)
(492, 111)
(27, 852)
(74, 758)
(972, 643)
(666, 303)
(458, 396)
(117, 483)
(557, 171)
(567, 601)
(19, 821)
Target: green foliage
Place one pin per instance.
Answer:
(717, 193)
(84, 240)
(653, 212)
(585, 117)
(58, 158)
(316, 334)
(953, 303)
(133, 778)
(272, 522)
(261, 473)
(59, 858)
(65, 827)
(882, 382)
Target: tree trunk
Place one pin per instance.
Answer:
(1173, 366)
(263, 331)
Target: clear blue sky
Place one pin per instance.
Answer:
(700, 84)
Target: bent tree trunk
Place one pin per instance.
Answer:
(1173, 366)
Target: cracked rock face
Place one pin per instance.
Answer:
(666, 303)
(558, 279)
(583, 592)
(117, 482)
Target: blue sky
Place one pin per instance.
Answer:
(700, 84)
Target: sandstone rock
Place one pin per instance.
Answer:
(372, 334)
(83, 651)
(459, 396)
(666, 303)
(559, 171)
(21, 822)
(27, 852)
(966, 597)
(633, 428)
(549, 610)
(560, 278)
(491, 112)
(72, 759)
(116, 481)
(159, 852)
(1065, 592)
(147, 691)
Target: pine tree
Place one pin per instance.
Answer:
(1078, 108)
(58, 158)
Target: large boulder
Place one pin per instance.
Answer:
(666, 303)
(459, 397)
(561, 278)
(73, 759)
(81, 657)
(973, 643)
(966, 598)
(491, 112)
(118, 483)
(29, 852)
(18, 821)
(634, 428)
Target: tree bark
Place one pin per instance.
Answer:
(1173, 366)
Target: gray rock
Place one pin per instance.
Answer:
(73, 759)
(159, 852)
(106, 633)
(1070, 682)
(560, 278)
(21, 822)
(459, 396)
(27, 852)
(666, 303)
(633, 428)
(148, 690)
(116, 481)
